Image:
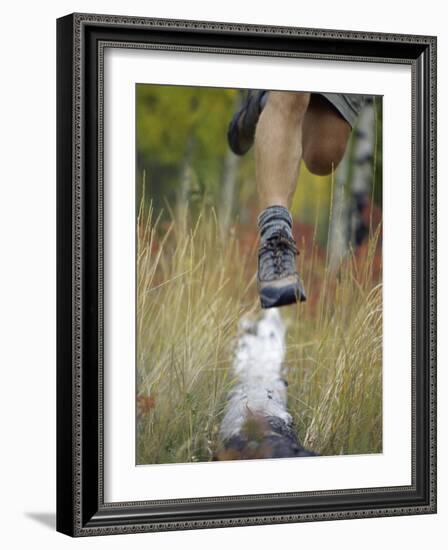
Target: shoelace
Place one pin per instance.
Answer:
(276, 246)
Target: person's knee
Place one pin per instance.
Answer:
(289, 104)
(323, 157)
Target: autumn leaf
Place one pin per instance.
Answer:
(145, 403)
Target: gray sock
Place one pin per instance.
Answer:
(273, 219)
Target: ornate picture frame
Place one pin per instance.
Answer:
(81, 43)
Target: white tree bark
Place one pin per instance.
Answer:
(338, 241)
(228, 183)
(362, 173)
(230, 174)
(257, 423)
(352, 187)
(363, 150)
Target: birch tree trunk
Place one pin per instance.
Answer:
(230, 174)
(352, 187)
(257, 423)
(228, 183)
(183, 191)
(362, 174)
(339, 231)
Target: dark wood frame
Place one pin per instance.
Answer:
(81, 39)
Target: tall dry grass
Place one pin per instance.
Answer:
(192, 289)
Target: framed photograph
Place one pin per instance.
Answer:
(246, 274)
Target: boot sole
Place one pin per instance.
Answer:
(285, 296)
(241, 139)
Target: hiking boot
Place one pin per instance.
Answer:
(241, 132)
(279, 283)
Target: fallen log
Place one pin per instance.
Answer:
(256, 422)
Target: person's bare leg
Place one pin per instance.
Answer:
(325, 134)
(278, 147)
(278, 150)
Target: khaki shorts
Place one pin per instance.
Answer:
(349, 105)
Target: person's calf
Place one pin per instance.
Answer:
(323, 157)
(278, 146)
(325, 136)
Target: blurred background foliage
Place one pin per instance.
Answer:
(183, 157)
